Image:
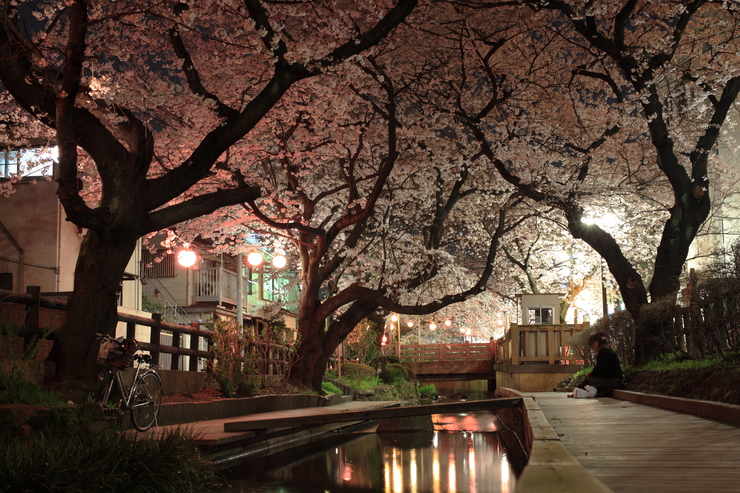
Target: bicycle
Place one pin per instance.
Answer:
(143, 396)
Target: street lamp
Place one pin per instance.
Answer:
(279, 261)
(254, 259)
(186, 257)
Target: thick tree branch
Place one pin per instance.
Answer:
(198, 206)
(191, 72)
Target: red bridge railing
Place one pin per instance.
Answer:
(419, 353)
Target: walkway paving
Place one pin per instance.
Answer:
(635, 448)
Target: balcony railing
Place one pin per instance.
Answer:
(217, 285)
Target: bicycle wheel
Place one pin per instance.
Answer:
(147, 396)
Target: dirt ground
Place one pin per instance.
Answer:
(207, 395)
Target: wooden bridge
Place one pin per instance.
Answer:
(529, 357)
(467, 361)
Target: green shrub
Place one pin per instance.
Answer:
(235, 366)
(619, 328)
(330, 388)
(14, 364)
(357, 371)
(395, 374)
(428, 391)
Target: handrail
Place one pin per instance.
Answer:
(32, 327)
(275, 358)
(468, 351)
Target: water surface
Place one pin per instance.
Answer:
(462, 454)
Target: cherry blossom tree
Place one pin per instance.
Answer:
(148, 103)
(373, 201)
(586, 106)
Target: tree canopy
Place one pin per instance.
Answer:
(393, 145)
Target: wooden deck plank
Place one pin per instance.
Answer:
(635, 448)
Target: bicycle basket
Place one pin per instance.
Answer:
(117, 352)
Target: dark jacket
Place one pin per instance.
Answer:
(607, 365)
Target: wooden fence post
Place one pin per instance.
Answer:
(194, 340)
(130, 330)
(32, 316)
(515, 349)
(175, 363)
(154, 338)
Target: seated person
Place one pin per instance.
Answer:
(607, 374)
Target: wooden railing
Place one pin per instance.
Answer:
(418, 353)
(31, 316)
(538, 344)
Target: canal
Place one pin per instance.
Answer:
(462, 454)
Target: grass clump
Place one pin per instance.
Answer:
(365, 383)
(679, 361)
(111, 463)
(428, 391)
(330, 388)
(15, 390)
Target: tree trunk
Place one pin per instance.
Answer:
(317, 344)
(308, 370)
(91, 310)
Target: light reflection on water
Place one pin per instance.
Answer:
(469, 459)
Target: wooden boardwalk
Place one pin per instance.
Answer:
(633, 448)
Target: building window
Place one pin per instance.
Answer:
(36, 162)
(157, 265)
(540, 315)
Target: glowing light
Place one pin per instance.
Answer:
(397, 472)
(448, 322)
(451, 474)
(394, 317)
(432, 326)
(412, 472)
(604, 221)
(186, 257)
(279, 261)
(254, 259)
(347, 472)
(410, 324)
